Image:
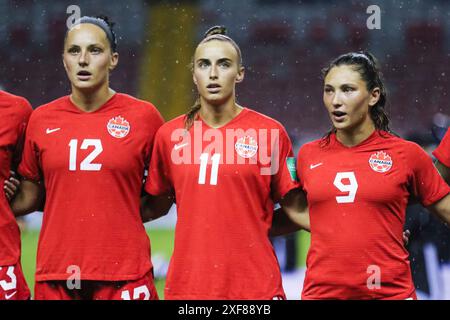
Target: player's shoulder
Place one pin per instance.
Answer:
(174, 124)
(412, 154)
(263, 120)
(49, 107)
(446, 137)
(137, 104)
(21, 103)
(400, 144)
(171, 127)
(313, 146)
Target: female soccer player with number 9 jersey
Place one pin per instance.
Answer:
(89, 150)
(358, 180)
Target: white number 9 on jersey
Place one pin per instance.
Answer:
(351, 188)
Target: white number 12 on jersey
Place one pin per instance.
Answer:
(215, 159)
(86, 164)
(350, 188)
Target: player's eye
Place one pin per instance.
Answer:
(203, 64)
(348, 89)
(328, 90)
(73, 50)
(96, 50)
(225, 64)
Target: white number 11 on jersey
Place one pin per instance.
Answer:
(350, 188)
(215, 159)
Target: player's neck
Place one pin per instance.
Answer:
(91, 101)
(217, 116)
(355, 136)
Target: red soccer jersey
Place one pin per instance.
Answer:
(226, 182)
(357, 198)
(92, 164)
(14, 112)
(442, 152)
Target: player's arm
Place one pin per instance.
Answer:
(27, 197)
(441, 209)
(292, 216)
(443, 170)
(154, 207)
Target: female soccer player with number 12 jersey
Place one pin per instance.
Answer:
(89, 151)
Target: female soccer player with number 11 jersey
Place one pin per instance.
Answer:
(225, 166)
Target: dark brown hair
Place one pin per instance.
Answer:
(103, 23)
(367, 67)
(213, 33)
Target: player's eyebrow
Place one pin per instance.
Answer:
(224, 60)
(203, 60)
(329, 86)
(218, 61)
(90, 46)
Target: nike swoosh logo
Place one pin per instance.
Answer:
(179, 146)
(48, 131)
(312, 166)
(9, 296)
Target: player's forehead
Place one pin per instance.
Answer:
(343, 74)
(215, 50)
(86, 34)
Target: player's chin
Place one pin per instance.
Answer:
(341, 125)
(85, 85)
(215, 99)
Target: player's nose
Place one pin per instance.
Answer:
(84, 58)
(336, 101)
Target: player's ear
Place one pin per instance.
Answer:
(194, 78)
(374, 96)
(240, 75)
(64, 62)
(114, 61)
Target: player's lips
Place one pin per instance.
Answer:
(213, 88)
(84, 75)
(338, 116)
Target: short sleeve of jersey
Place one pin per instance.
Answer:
(29, 166)
(426, 182)
(300, 161)
(25, 112)
(159, 176)
(442, 152)
(285, 178)
(156, 121)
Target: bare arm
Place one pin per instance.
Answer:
(444, 171)
(154, 207)
(29, 198)
(441, 209)
(292, 216)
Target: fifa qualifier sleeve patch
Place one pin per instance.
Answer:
(290, 163)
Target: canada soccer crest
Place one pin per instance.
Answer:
(380, 162)
(246, 147)
(118, 127)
